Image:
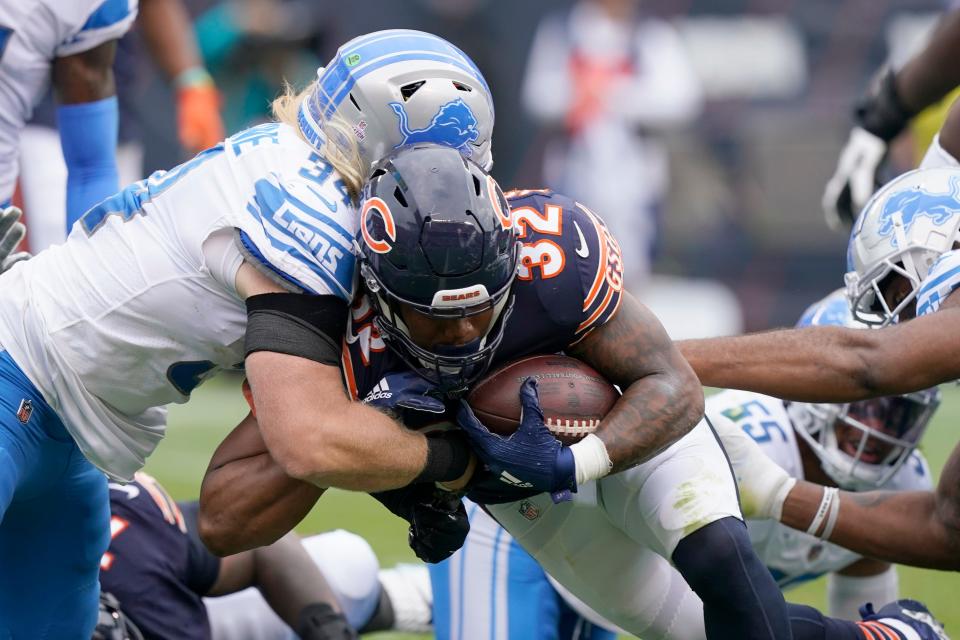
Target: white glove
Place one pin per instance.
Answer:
(763, 483)
(854, 180)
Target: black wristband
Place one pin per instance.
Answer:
(448, 455)
(883, 113)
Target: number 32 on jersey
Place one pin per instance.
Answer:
(544, 254)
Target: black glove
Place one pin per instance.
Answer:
(438, 520)
(881, 112)
(438, 527)
(321, 622)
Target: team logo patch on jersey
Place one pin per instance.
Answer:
(913, 203)
(25, 411)
(454, 125)
(529, 510)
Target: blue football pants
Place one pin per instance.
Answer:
(54, 519)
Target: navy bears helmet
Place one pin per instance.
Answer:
(436, 236)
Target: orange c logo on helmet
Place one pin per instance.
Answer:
(506, 221)
(389, 226)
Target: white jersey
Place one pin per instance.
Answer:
(793, 556)
(942, 280)
(32, 34)
(139, 306)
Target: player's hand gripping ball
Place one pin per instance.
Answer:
(519, 417)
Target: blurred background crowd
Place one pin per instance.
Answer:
(703, 131)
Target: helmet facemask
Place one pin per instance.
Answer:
(452, 368)
(852, 450)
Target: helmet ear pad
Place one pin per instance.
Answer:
(433, 236)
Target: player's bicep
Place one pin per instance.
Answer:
(86, 76)
(631, 345)
(250, 282)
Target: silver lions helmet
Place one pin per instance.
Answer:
(860, 445)
(904, 228)
(400, 87)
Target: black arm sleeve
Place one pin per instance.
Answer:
(203, 568)
(296, 324)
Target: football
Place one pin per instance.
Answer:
(573, 396)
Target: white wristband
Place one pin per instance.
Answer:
(832, 518)
(826, 503)
(591, 459)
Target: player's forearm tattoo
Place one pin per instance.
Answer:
(662, 399)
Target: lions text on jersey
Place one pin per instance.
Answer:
(793, 556)
(32, 34)
(139, 306)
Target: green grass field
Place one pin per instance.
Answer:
(197, 428)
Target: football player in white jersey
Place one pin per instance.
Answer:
(239, 256)
(71, 44)
(903, 272)
(859, 446)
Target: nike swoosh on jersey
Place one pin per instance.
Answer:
(131, 490)
(330, 205)
(582, 249)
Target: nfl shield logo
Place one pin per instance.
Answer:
(25, 411)
(529, 511)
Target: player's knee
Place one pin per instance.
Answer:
(351, 568)
(716, 557)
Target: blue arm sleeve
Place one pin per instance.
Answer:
(88, 135)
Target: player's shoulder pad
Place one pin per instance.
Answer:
(97, 21)
(914, 475)
(942, 280)
(563, 238)
(300, 231)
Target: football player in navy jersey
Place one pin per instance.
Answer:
(159, 571)
(439, 248)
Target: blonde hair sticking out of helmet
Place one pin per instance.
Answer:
(340, 148)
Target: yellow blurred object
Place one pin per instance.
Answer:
(199, 124)
(928, 122)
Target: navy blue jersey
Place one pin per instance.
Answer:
(569, 283)
(155, 566)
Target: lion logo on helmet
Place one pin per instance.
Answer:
(913, 203)
(454, 125)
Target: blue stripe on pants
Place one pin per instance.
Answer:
(54, 520)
